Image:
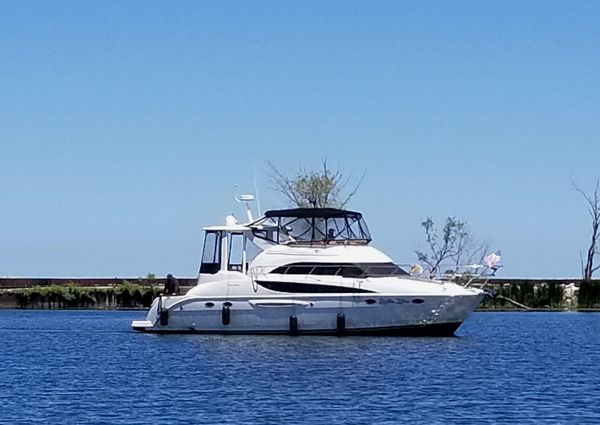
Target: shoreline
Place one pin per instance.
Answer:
(506, 295)
(5, 307)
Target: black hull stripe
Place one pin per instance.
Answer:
(438, 329)
(308, 288)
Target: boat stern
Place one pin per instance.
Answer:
(141, 325)
(152, 317)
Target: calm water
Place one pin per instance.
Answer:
(87, 367)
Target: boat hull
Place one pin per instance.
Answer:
(373, 314)
(433, 330)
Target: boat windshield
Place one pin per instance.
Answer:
(312, 225)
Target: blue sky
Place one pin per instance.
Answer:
(125, 125)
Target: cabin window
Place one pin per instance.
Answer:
(280, 270)
(351, 271)
(236, 251)
(300, 269)
(252, 250)
(383, 270)
(326, 270)
(211, 254)
(347, 270)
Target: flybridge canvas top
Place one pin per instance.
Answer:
(312, 225)
(312, 212)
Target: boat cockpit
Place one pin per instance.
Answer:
(308, 226)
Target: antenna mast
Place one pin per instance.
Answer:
(256, 191)
(245, 199)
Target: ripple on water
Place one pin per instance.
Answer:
(87, 367)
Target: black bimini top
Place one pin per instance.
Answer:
(312, 213)
(312, 225)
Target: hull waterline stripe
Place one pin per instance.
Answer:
(438, 329)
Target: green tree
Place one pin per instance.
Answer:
(314, 189)
(449, 246)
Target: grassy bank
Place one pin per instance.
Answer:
(125, 295)
(543, 295)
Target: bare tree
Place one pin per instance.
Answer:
(593, 205)
(314, 189)
(470, 250)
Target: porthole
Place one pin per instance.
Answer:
(370, 301)
(209, 305)
(417, 301)
(227, 304)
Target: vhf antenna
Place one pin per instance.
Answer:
(256, 191)
(245, 199)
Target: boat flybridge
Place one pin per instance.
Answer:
(307, 271)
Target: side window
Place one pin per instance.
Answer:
(236, 249)
(351, 271)
(280, 270)
(251, 250)
(211, 254)
(326, 270)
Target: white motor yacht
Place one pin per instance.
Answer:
(307, 271)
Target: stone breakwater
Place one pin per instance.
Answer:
(83, 293)
(540, 294)
(115, 293)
